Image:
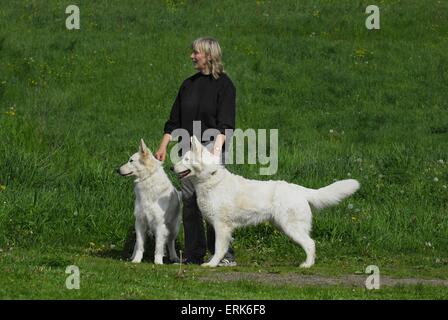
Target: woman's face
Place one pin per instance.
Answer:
(199, 60)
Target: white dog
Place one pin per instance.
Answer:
(229, 201)
(157, 205)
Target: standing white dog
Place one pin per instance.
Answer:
(157, 205)
(229, 201)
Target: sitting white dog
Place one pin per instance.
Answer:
(157, 205)
(229, 201)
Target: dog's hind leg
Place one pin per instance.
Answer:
(139, 248)
(174, 231)
(308, 245)
(172, 250)
(223, 236)
(161, 236)
(299, 234)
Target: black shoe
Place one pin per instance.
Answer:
(192, 261)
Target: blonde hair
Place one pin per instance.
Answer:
(212, 50)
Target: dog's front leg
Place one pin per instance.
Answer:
(161, 235)
(222, 241)
(139, 248)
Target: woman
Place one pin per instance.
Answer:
(207, 96)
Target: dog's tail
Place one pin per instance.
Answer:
(332, 194)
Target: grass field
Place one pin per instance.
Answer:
(348, 102)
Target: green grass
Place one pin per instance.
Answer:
(346, 101)
(103, 276)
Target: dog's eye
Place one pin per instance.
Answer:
(131, 160)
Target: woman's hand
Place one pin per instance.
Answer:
(161, 154)
(217, 147)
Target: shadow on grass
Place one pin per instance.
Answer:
(126, 252)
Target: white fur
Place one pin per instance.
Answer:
(157, 205)
(229, 201)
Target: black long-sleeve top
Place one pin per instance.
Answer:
(203, 98)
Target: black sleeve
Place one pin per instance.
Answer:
(226, 108)
(174, 120)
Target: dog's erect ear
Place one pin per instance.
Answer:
(144, 149)
(195, 144)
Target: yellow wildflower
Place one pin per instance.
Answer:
(11, 112)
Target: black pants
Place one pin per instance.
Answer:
(196, 244)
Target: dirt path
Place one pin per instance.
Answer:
(313, 280)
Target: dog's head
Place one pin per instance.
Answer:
(141, 164)
(198, 162)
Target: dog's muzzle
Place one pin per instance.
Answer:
(124, 175)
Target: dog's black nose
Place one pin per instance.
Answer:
(117, 171)
(172, 168)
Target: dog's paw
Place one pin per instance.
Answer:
(137, 257)
(208, 264)
(306, 265)
(158, 259)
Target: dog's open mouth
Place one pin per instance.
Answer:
(127, 174)
(183, 174)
